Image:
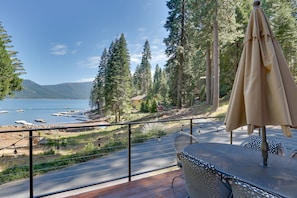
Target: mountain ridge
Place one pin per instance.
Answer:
(75, 90)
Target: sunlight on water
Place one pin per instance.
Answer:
(41, 111)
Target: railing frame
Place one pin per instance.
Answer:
(31, 130)
(31, 163)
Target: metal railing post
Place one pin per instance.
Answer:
(191, 126)
(129, 152)
(31, 162)
(231, 137)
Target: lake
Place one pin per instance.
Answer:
(52, 111)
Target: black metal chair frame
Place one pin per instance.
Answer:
(179, 148)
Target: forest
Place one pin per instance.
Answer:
(204, 45)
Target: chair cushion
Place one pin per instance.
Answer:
(254, 142)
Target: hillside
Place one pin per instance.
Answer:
(72, 90)
(59, 91)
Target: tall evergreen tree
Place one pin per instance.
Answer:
(294, 7)
(284, 24)
(164, 88)
(137, 80)
(179, 48)
(118, 79)
(10, 66)
(216, 27)
(157, 80)
(145, 69)
(201, 17)
(97, 92)
(161, 87)
(231, 51)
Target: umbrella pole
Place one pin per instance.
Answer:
(264, 146)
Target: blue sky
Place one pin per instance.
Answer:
(61, 41)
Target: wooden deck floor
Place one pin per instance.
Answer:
(157, 186)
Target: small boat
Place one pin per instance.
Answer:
(40, 120)
(24, 122)
(20, 110)
(3, 112)
(82, 119)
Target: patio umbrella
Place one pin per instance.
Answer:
(264, 91)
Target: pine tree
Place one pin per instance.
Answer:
(97, 92)
(284, 25)
(154, 106)
(201, 17)
(230, 52)
(164, 88)
(157, 81)
(10, 66)
(217, 27)
(137, 80)
(160, 86)
(118, 79)
(294, 7)
(179, 45)
(145, 69)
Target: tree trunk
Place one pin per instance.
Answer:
(208, 77)
(181, 60)
(115, 114)
(179, 83)
(216, 67)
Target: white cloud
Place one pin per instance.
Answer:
(158, 42)
(91, 62)
(158, 55)
(135, 58)
(141, 29)
(78, 43)
(59, 49)
(159, 58)
(143, 33)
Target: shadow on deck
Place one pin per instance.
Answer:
(154, 186)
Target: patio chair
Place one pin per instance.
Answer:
(180, 142)
(245, 190)
(203, 180)
(254, 142)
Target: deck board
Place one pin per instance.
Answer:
(158, 186)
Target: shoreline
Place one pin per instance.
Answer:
(92, 119)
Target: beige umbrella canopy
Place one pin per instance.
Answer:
(264, 92)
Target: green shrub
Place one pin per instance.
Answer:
(64, 142)
(14, 173)
(89, 147)
(154, 107)
(139, 138)
(49, 152)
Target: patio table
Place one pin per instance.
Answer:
(244, 163)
